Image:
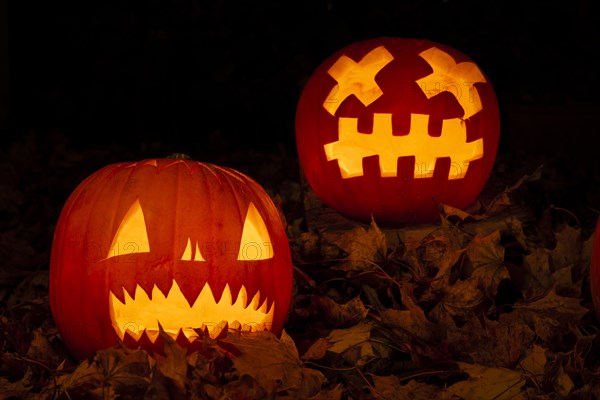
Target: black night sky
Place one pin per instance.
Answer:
(220, 80)
(197, 77)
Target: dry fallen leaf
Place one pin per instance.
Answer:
(487, 383)
(568, 248)
(317, 350)
(365, 247)
(490, 343)
(353, 343)
(410, 324)
(391, 388)
(405, 305)
(534, 363)
(171, 368)
(274, 364)
(121, 371)
(549, 315)
(537, 264)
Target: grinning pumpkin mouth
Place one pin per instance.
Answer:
(142, 313)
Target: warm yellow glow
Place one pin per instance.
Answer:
(187, 253)
(458, 79)
(174, 313)
(357, 78)
(353, 146)
(131, 237)
(255, 243)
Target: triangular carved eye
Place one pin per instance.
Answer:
(189, 255)
(131, 237)
(255, 243)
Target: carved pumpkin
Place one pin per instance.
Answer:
(389, 127)
(595, 270)
(191, 246)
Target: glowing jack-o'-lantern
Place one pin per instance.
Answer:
(595, 270)
(191, 246)
(389, 127)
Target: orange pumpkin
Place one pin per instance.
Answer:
(194, 247)
(390, 127)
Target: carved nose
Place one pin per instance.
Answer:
(192, 252)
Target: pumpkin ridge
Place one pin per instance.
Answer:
(240, 217)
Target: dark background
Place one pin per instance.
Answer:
(84, 84)
(226, 72)
(221, 79)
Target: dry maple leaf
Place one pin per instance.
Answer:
(550, 315)
(487, 383)
(274, 364)
(365, 247)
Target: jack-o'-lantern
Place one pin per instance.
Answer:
(194, 247)
(595, 270)
(389, 128)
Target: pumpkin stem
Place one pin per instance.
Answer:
(179, 156)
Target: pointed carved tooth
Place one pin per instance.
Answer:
(129, 338)
(204, 328)
(256, 300)
(220, 330)
(174, 312)
(205, 297)
(235, 325)
(242, 299)
(141, 295)
(269, 317)
(118, 296)
(226, 298)
(133, 331)
(157, 294)
(190, 334)
(128, 297)
(264, 307)
(152, 335)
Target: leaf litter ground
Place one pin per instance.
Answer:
(488, 303)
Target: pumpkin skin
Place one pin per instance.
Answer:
(154, 235)
(595, 270)
(388, 128)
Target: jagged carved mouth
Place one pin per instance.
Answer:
(142, 313)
